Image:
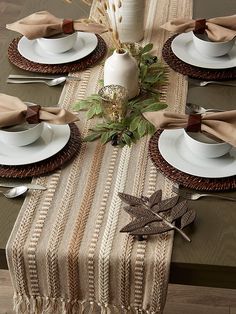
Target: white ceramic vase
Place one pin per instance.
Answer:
(131, 14)
(122, 69)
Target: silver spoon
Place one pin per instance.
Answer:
(14, 192)
(194, 108)
(54, 82)
(204, 83)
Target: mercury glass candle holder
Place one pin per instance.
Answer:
(114, 102)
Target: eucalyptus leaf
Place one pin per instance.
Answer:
(135, 123)
(92, 137)
(143, 71)
(151, 128)
(142, 127)
(91, 113)
(154, 107)
(127, 139)
(98, 109)
(147, 48)
(105, 138)
(82, 105)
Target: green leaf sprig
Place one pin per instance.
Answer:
(134, 126)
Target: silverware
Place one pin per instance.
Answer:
(44, 77)
(15, 192)
(29, 186)
(195, 196)
(224, 83)
(194, 108)
(204, 83)
(54, 82)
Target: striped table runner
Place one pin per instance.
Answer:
(65, 253)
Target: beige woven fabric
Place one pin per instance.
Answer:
(66, 254)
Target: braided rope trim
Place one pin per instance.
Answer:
(81, 220)
(35, 236)
(111, 225)
(125, 261)
(60, 223)
(98, 224)
(161, 262)
(17, 247)
(141, 247)
(127, 245)
(58, 228)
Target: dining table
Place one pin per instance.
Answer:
(209, 259)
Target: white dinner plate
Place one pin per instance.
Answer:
(182, 47)
(84, 45)
(173, 149)
(52, 140)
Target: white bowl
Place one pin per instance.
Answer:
(211, 48)
(59, 43)
(203, 146)
(22, 134)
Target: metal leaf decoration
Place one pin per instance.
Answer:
(178, 210)
(152, 215)
(130, 199)
(187, 218)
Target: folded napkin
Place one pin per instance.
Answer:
(13, 111)
(221, 125)
(217, 29)
(44, 24)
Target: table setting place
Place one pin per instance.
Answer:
(52, 45)
(118, 164)
(203, 49)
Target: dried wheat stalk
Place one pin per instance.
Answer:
(103, 6)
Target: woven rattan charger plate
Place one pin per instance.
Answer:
(184, 179)
(195, 72)
(94, 57)
(70, 150)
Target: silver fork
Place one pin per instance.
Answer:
(195, 196)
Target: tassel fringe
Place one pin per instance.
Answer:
(46, 305)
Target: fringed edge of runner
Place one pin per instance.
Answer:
(46, 305)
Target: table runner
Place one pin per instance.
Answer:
(65, 253)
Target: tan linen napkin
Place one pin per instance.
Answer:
(45, 24)
(222, 125)
(13, 111)
(217, 29)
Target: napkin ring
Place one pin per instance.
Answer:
(32, 114)
(68, 26)
(194, 123)
(200, 26)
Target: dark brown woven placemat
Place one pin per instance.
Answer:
(184, 179)
(71, 149)
(193, 71)
(94, 57)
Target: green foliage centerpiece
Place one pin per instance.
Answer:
(130, 128)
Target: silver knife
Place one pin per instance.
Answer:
(18, 76)
(29, 186)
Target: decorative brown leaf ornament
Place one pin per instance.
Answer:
(152, 215)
